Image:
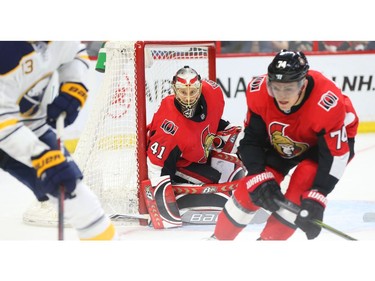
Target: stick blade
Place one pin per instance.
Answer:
(369, 217)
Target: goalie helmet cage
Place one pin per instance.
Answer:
(112, 147)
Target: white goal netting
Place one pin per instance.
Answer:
(109, 146)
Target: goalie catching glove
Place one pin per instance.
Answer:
(72, 96)
(312, 208)
(53, 170)
(228, 139)
(264, 190)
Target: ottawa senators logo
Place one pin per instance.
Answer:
(169, 127)
(285, 146)
(254, 85)
(328, 101)
(207, 140)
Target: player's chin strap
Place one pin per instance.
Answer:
(290, 206)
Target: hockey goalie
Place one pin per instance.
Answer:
(189, 144)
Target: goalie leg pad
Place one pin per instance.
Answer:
(197, 173)
(161, 203)
(211, 201)
(230, 167)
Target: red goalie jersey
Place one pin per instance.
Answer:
(175, 141)
(181, 136)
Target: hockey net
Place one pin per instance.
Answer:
(112, 147)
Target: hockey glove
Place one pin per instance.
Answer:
(312, 208)
(72, 96)
(264, 190)
(54, 170)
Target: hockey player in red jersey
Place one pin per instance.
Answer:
(181, 136)
(297, 118)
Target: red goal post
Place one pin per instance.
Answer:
(111, 150)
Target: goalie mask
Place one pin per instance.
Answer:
(187, 87)
(288, 66)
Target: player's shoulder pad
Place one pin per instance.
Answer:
(256, 83)
(11, 52)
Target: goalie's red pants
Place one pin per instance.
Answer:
(228, 227)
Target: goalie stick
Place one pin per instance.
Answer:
(207, 217)
(197, 217)
(295, 209)
(205, 188)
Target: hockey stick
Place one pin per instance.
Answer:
(197, 217)
(61, 197)
(290, 206)
(205, 188)
(207, 217)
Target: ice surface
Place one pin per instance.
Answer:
(185, 254)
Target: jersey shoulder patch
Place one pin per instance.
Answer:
(212, 83)
(256, 83)
(11, 52)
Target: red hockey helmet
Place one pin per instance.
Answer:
(288, 66)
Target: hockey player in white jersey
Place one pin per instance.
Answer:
(28, 114)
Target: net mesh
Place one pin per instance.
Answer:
(107, 147)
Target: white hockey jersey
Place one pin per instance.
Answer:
(30, 75)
